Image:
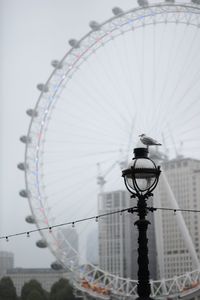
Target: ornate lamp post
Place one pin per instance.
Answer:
(141, 179)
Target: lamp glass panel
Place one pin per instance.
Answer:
(146, 175)
(129, 182)
(144, 183)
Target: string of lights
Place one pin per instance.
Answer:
(96, 218)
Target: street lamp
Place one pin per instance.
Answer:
(141, 179)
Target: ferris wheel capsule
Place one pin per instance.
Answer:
(22, 166)
(42, 87)
(25, 139)
(56, 64)
(30, 219)
(24, 193)
(195, 1)
(41, 244)
(32, 112)
(143, 3)
(94, 25)
(117, 11)
(74, 43)
(56, 266)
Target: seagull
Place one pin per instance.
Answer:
(148, 141)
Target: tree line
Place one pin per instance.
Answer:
(33, 290)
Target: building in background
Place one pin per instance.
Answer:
(46, 277)
(6, 262)
(92, 247)
(183, 176)
(69, 242)
(118, 237)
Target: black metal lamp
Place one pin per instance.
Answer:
(141, 179)
(142, 175)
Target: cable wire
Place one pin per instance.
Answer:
(96, 218)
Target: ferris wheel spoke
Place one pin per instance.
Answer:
(125, 61)
(181, 99)
(158, 58)
(135, 53)
(185, 68)
(153, 72)
(174, 61)
(186, 109)
(110, 78)
(116, 80)
(86, 127)
(103, 102)
(84, 140)
(188, 89)
(171, 70)
(58, 191)
(187, 121)
(77, 209)
(166, 71)
(90, 98)
(190, 121)
(59, 170)
(78, 157)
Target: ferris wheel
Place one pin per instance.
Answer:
(137, 72)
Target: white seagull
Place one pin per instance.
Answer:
(148, 141)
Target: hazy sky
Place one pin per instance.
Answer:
(32, 33)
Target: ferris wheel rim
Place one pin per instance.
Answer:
(71, 51)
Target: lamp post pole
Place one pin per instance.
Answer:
(143, 287)
(141, 179)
